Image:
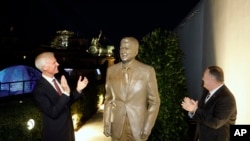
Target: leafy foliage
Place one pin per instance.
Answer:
(13, 121)
(160, 48)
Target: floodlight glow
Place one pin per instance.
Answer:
(76, 120)
(30, 124)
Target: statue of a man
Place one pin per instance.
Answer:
(132, 101)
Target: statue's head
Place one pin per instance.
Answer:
(129, 47)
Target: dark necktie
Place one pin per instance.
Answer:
(57, 87)
(208, 96)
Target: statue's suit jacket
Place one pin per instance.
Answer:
(138, 100)
(56, 115)
(215, 128)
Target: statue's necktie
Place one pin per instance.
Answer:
(126, 75)
(57, 87)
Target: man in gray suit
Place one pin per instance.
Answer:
(216, 110)
(132, 101)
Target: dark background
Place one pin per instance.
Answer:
(36, 21)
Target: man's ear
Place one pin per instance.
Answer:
(44, 67)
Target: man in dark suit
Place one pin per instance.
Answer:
(54, 100)
(131, 102)
(215, 111)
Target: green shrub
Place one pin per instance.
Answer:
(15, 113)
(160, 48)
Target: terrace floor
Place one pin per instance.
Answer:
(92, 130)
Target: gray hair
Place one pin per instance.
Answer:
(42, 58)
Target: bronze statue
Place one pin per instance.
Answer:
(97, 49)
(132, 101)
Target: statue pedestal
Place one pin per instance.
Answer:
(110, 60)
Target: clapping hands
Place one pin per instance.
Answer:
(64, 84)
(81, 83)
(189, 104)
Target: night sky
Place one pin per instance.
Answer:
(37, 21)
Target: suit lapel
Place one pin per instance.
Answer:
(48, 87)
(216, 94)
